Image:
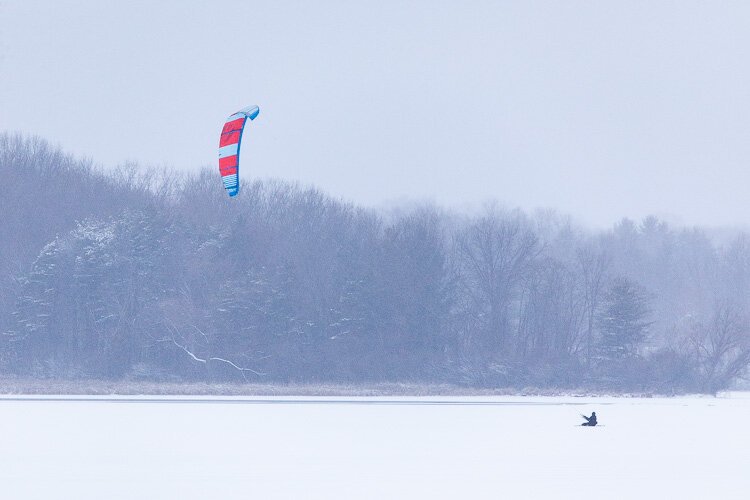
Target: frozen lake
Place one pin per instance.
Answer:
(374, 448)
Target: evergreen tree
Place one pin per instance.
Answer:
(622, 321)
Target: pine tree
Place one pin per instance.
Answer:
(622, 321)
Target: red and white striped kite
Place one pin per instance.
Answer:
(229, 148)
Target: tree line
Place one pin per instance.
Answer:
(139, 273)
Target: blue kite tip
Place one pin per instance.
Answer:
(251, 112)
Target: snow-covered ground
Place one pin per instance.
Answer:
(374, 448)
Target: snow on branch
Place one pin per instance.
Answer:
(241, 369)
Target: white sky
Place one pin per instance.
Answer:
(598, 109)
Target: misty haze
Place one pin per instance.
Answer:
(454, 234)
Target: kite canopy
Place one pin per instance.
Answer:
(229, 148)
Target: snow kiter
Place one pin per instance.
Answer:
(229, 148)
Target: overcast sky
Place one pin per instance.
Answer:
(598, 109)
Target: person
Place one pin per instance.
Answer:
(590, 421)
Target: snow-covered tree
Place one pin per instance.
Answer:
(623, 320)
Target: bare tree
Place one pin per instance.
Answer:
(722, 347)
(554, 313)
(495, 251)
(593, 264)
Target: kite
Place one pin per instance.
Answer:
(229, 148)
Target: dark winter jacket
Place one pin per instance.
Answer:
(590, 421)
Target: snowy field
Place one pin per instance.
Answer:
(374, 448)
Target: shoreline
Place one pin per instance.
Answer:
(88, 387)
